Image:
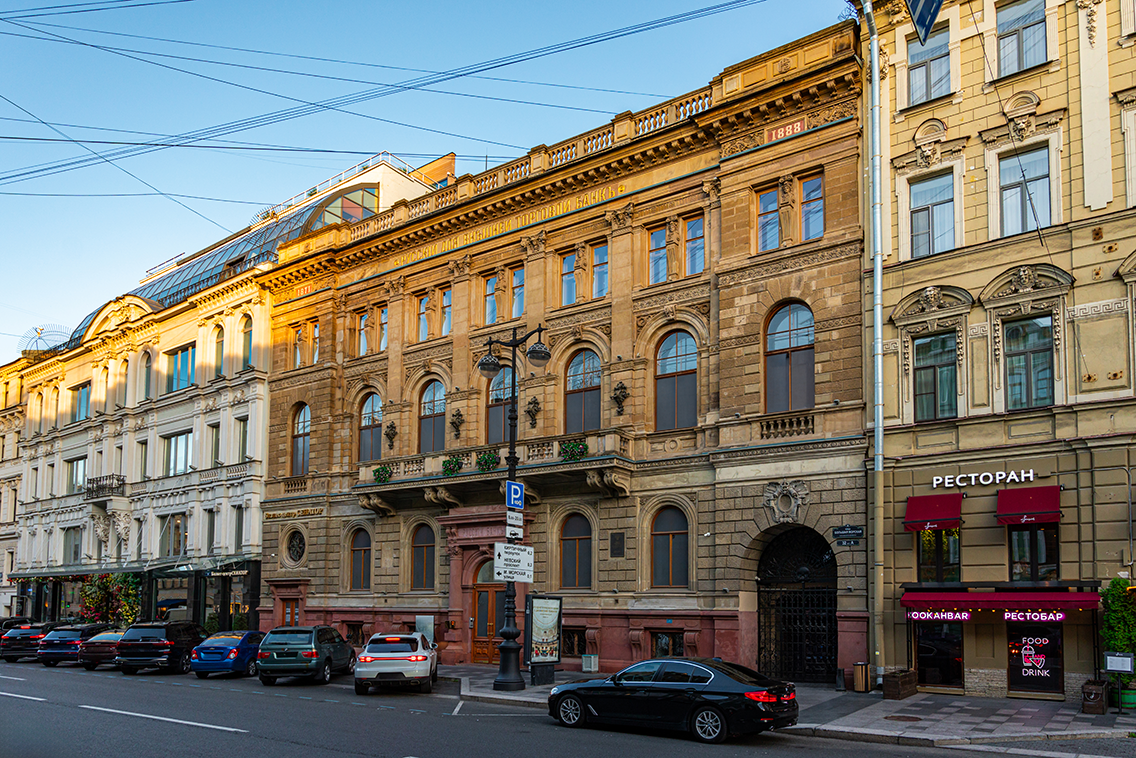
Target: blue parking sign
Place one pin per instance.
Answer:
(515, 495)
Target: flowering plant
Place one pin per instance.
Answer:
(452, 465)
(488, 461)
(573, 451)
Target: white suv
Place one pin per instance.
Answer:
(397, 659)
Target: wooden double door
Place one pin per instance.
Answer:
(488, 618)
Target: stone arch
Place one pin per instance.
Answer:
(406, 534)
(1022, 104)
(655, 327)
(556, 518)
(347, 530)
(588, 337)
(929, 299)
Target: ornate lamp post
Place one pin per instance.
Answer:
(509, 672)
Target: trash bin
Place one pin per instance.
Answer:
(860, 677)
(1094, 697)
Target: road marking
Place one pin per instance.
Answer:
(458, 707)
(331, 701)
(163, 718)
(24, 697)
(13, 678)
(412, 710)
(387, 707)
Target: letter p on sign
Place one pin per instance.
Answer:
(515, 495)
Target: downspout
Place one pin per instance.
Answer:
(877, 346)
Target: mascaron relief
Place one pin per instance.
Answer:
(785, 500)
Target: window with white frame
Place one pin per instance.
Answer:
(1024, 190)
(1029, 362)
(935, 377)
(929, 68)
(179, 453)
(181, 368)
(76, 475)
(932, 215)
(1021, 36)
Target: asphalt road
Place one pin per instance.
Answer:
(65, 711)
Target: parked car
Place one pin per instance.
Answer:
(23, 641)
(102, 648)
(397, 659)
(62, 643)
(226, 652)
(159, 644)
(710, 698)
(311, 651)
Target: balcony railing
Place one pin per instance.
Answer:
(99, 487)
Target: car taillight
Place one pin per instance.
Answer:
(36, 637)
(167, 643)
(232, 654)
(762, 697)
(310, 654)
(262, 654)
(415, 657)
(790, 696)
(193, 655)
(367, 659)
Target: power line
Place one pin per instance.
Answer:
(131, 194)
(59, 7)
(350, 99)
(96, 10)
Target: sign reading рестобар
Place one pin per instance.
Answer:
(983, 477)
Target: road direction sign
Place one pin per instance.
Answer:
(514, 518)
(512, 563)
(514, 532)
(924, 13)
(515, 495)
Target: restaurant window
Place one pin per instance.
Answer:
(935, 378)
(301, 440)
(576, 553)
(181, 368)
(568, 279)
(1029, 363)
(174, 539)
(497, 412)
(179, 453)
(676, 382)
(1025, 198)
(789, 357)
(518, 292)
(432, 418)
(657, 255)
(929, 67)
(939, 654)
(1021, 36)
(669, 541)
(246, 343)
(1036, 659)
(932, 215)
(360, 560)
(81, 402)
(218, 353)
(1033, 553)
(812, 208)
(939, 555)
(695, 246)
(371, 428)
(768, 221)
(422, 560)
(490, 300)
(582, 393)
(599, 271)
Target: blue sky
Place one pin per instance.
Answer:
(65, 256)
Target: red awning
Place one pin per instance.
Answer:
(933, 512)
(1032, 505)
(1001, 601)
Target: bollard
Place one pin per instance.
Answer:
(840, 686)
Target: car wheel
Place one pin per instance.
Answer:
(362, 688)
(129, 670)
(434, 675)
(202, 674)
(350, 665)
(570, 711)
(250, 670)
(183, 665)
(426, 686)
(708, 725)
(90, 666)
(324, 675)
(267, 680)
(50, 664)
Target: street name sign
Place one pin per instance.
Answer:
(515, 495)
(512, 563)
(924, 13)
(514, 518)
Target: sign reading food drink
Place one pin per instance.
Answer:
(938, 615)
(1036, 660)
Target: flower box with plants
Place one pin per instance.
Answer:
(573, 451)
(383, 473)
(452, 465)
(1118, 633)
(488, 461)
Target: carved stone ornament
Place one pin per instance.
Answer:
(297, 546)
(1024, 279)
(1022, 128)
(611, 483)
(459, 266)
(441, 496)
(619, 396)
(452, 546)
(534, 245)
(102, 526)
(122, 525)
(390, 433)
(1090, 9)
(712, 188)
(376, 504)
(457, 418)
(931, 299)
(621, 218)
(928, 155)
(785, 500)
(532, 409)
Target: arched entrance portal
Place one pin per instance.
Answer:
(488, 615)
(796, 604)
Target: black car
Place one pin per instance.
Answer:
(11, 621)
(709, 698)
(62, 644)
(159, 644)
(23, 641)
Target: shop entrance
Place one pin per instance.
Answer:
(939, 648)
(796, 608)
(488, 615)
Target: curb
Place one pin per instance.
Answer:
(467, 693)
(905, 738)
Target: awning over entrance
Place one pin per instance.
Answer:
(1001, 601)
(933, 512)
(1032, 505)
(82, 570)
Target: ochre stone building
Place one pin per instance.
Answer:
(691, 446)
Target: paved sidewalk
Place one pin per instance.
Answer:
(924, 719)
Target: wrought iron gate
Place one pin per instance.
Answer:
(796, 608)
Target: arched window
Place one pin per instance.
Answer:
(432, 418)
(218, 353)
(582, 393)
(676, 382)
(147, 375)
(576, 553)
(246, 342)
(789, 360)
(497, 412)
(371, 429)
(422, 558)
(120, 386)
(301, 440)
(360, 560)
(669, 552)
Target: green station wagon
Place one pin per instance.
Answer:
(311, 651)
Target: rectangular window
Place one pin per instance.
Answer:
(383, 329)
(361, 333)
(935, 367)
(568, 279)
(932, 215)
(518, 292)
(599, 271)
(76, 475)
(695, 246)
(34, 491)
(49, 485)
(214, 445)
(1036, 658)
(490, 300)
(175, 535)
(423, 321)
(81, 402)
(447, 311)
(210, 530)
(298, 347)
(1033, 553)
(238, 528)
(812, 208)
(180, 368)
(768, 221)
(1029, 363)
(929, 67)
(179, 453)
(939, 555)
(143, 461)
(1021, 36)
(72, 545)
(242, 439)
(1025, 191)
(667, 644)
(657, 255)
(218, 354)
(315, 342)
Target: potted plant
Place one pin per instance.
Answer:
(383, 473)
(488, 461)
(1118, 632)
(452, 465)
(573, 451)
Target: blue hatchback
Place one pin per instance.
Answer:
(226, 652)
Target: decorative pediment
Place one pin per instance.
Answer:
(937, 301)
(122, 310)
(1022, 126)
(1026, 283)
(931, 130)
(1022, 104)
(1127, 270)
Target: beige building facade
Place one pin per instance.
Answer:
(11, 471)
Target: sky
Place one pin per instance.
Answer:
(78, 236)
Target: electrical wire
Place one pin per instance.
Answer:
(131, 194)
(96, 10)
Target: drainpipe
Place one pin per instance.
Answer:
(877, 346)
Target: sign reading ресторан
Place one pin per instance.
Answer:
(983, 477)
(299, 513)
(938, 615)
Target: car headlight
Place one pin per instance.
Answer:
(553, 691)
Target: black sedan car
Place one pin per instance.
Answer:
(709, 698)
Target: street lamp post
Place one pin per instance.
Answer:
(509, 671)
